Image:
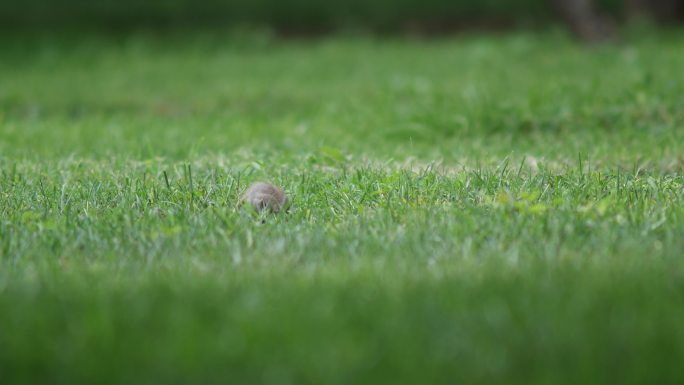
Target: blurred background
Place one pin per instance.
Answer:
(435, 79)
(588, 19)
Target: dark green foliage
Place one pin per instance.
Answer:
(294, 15)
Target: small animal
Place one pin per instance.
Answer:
(265, 196)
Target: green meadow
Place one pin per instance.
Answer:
(472, 209)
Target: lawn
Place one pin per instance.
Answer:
(469, 210)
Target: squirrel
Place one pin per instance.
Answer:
(265, 196)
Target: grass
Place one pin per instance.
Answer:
(470, 210)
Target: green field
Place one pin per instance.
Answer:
(467, 210)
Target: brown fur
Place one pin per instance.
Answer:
(265, 196)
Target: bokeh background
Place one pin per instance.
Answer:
(314, 16)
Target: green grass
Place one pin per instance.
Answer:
(469, 210)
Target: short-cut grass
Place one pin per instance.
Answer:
(502, 209)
